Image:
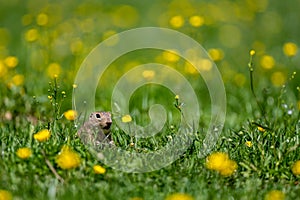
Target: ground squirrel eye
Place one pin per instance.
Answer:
(98, 116)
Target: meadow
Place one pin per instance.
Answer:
(254, 45)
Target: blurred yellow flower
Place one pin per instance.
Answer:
(3, 70)
(190, 68)
(31, 35)
(177, 21)
(170, 55)
(18, 80)
(42, 135)
(53, 70)
(296, 168)
(70, 115)
(148, 74)
(67, 158)
(196, 21)
(221, 163)
(177, 97)
(126, 119)
(216, 54)
(179, 196)
(275, 195)
(290, 49)
(24, 152)
(99, 169)
(74, 86)
(42, 19)
(11, 61)
(248, 144)
(267, 62)
(252, 52)
(5, 195)
(239, 79)
(278, 79)
(261, 129)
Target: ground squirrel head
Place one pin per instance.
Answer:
(101, 118)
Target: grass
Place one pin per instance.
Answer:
(262, 128)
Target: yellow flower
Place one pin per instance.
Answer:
(261, 129)
(177, 97)
(221, 163)
(196, 21)
(252, 52)
(11, 61)
(267, 62)
(99, 169)
(31, 35)
(274, 195)
(170, 55)
(70, 115)
(3, 69)
(67, 158)
(177, 21)
(74, 86)
(148, 74)
(24, 153)
(5, 195)
(18, 80)
(126, 119)
(42, 135)
(278, 79)
(53, 70)
(179, 196)
(42, 19)
(290, 49)
(216, 54)
(296, 168)
(248, 144)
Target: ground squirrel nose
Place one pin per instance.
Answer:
(107, 126)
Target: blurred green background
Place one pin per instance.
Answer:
(39, 39)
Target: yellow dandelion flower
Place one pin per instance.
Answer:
(179, 196)
(177, 97)
(170, 56)
(31, 35)
(252, 52)
(18, 80)
(11, 61)
(24, 152)
(42, 19)
(3, 70)
(99, 169)
(230, 166)
(278, 79)
(221, 163)
(216, 161)
(216, 54)
(296, 168)
(290, 49)
(275, 195)
(261, 129)
(196, 21)
(267, 62)
(177, 21)
(148, 74)
(70, 115)
(126, 119)
(53, 70)
(248, 144)
(67, 158)
(5, 195)
(42, 135)
(74, 86)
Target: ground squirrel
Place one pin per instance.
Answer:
(96, 130)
